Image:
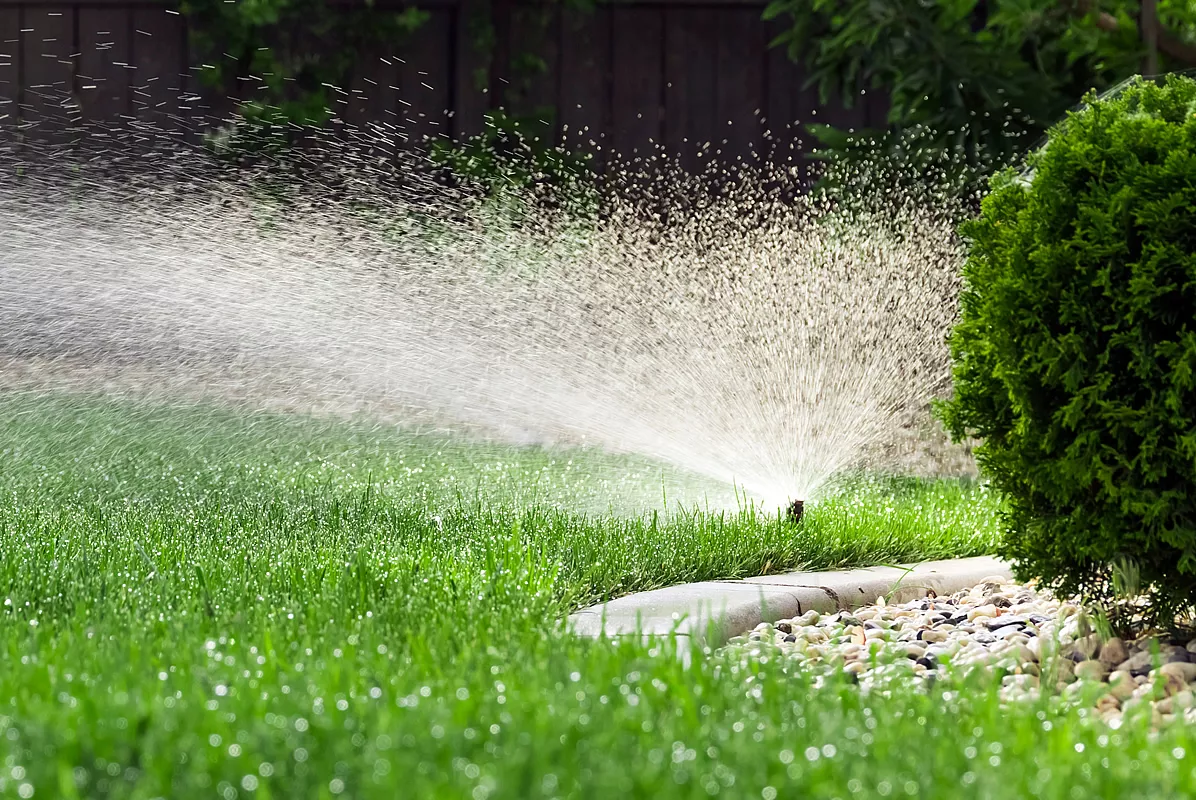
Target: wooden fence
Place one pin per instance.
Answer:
(625, 76)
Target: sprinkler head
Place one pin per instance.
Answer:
(794, 512)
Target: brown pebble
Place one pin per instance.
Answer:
(1087, 646)
(1168, 682)
(1176, 703)
(1064, 670)
(1114, 652)
(1122, 684)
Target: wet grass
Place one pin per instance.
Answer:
(198, 603)
(606, 525)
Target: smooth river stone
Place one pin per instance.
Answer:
(1171, 653)
(1181, 669)
(1139, 662)
(1091, 670)
(914, 651)
(1181, 701)
(998, 627)
(1122, 684)
(1171, 683)
(1114, 652)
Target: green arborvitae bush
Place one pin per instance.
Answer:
(1075, 355)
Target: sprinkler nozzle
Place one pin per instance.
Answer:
(794, 512)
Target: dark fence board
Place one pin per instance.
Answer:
(159, 61)
(790, 106)
(637, 80)
(781, 104)
(741, 82)
(585, 80)
(469, 79)
(373, 98)
(104, 55)
(48, 73)
(691, 83)
(10, 68)
(423, 90)
(631, 76)
(537, 29)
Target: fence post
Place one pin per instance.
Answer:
(1149, 27)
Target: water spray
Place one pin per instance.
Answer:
(763, 342)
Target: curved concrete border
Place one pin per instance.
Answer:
(711, 612)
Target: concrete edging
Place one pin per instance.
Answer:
(711, 612)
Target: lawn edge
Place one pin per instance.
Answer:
(708, 613)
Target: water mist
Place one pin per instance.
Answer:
(737, 333)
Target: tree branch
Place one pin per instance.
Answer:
(1176, 47)
(1149, 27)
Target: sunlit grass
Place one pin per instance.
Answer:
(199, 603)
(92, 470)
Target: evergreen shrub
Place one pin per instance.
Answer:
(1074, 358)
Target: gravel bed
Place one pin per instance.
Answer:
(1034, 641)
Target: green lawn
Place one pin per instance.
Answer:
(198, 603)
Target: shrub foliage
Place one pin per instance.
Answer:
(1075, 355)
